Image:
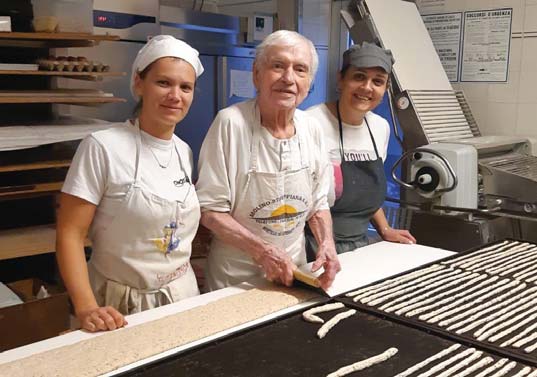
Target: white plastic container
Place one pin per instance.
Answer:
(74, 16)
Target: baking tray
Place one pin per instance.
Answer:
(289, 346)
(512, 353)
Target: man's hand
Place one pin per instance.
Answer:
(327, 258)
(276, 264)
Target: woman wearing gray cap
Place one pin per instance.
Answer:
(357, 141)
(130, 186)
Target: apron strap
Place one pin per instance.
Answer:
(372, 138)
(138, 152)
(341, 148)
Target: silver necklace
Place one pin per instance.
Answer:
(158, 161)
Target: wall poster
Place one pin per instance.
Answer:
(486, 43)
(445, 30)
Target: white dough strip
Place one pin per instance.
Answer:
(500, 363)
(422, 287)
(429, 360)
(460, 297)
(483, 257)
(518, 340)
(437, 315)
(510, 259)
(506, 313)
(493, 254)
(461, 364)
(423, 306)
(527, 339)
(441, 366)
(509, 330)
(514, 266)
(513, 304)
(519, 267)
(343, 371)
(323, 330)
(532, 279)
(475, 254)
(482, 335)
(490, 306)
(518, 287)
(521, 275)
(420, 282)
(391, 282)
(423, 293)
(533, 374)
(523, 372)
(309, 315)
(531, 348)
(480, 364)
(494, 260)
(506, 369)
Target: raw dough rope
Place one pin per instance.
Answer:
(490, 306)
(309, 315)
(461, 364)
(323, 330)
(343, 371)
(392, 282)
(500, 363)
(444, 364)
(429, 360)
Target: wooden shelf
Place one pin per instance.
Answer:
(93, 76)
(53, 40)
(64, 100)
(23, 242)
(35, 166)
(36, 188)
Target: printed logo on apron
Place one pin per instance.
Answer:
(282, 215)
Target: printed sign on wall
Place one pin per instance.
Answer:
(445, 30)
(486, 43)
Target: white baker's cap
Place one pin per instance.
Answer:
(162, 46)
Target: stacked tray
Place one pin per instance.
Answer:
(486, 297)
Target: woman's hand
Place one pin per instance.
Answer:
(327, 258)
(397, 235)
(276, 264)
(101, 319)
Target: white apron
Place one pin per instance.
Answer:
(275, 207)
(142, 259)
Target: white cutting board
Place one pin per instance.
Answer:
(378, 261)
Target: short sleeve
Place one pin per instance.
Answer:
(87, 175)
(321, 185)
(213, 186)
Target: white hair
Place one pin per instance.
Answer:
(287, 38)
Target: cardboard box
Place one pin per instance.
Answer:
(35, 319)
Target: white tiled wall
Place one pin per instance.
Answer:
(507, 108)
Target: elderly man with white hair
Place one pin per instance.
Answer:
(130, 187)
(263, 173)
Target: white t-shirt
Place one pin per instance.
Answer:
(104, 166)
(356, 142)
(225, 156)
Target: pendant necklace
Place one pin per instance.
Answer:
(158, 161)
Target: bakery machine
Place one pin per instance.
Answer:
(465, 189)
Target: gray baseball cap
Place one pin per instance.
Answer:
(368, 55)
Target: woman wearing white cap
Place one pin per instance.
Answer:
(357, 142)
(263, 174)
(130, 188)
